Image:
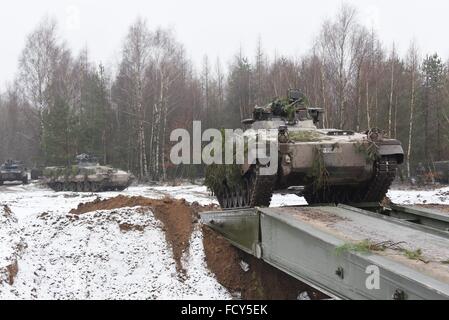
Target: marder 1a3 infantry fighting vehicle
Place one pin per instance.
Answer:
(13, 171)
(323, 165)
(87, 176)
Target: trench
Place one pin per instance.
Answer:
(244, 276)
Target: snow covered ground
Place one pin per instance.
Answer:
(25, 200)
(89, 256)
(436, 196)
(62, 256)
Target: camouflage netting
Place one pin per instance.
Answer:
(218, 176)
(305, 136)
(370, 150)
(318, 172)
(286, 108)
(66, 171)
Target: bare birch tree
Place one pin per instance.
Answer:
(412, 63)
(336, 39)
(390, 100)
(136, 58)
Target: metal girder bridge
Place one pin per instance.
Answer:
(347, 252)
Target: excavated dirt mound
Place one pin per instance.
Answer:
(176, 215)
(12, 269)
(260, 281)
(11, 238)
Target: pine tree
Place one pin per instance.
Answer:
(433, 71)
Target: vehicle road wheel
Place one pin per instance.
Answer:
(58, 186)
(87, 186)
(72, 187)
(225, 195)
(95, 187)
(80, 187)
(220, 198)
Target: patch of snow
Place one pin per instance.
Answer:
(190, 193)
(436, 196)
(10, 237)
(27, 200)
(244, 266)
(11, 246)
(303, 296)
(194, 261)
(90, 257)
(280, 200)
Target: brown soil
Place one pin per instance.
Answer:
(261, 281)
(176, 215)
(7, 210)
(130, 227)
(12, 270)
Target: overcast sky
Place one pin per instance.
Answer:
(217, 28)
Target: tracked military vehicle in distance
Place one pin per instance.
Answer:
(13, 171)
(87, 176)
(323, 165)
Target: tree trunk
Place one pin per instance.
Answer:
(390, 103)
(164, 132)
(410, 130)
(359, 101)
(368, 117)
(395, 127)
(426, 124)
(341, 91)
(141, 133)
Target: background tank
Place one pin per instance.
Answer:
(323, 165)
(13, 170)
(87, 176)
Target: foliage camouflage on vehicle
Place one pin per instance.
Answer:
(87, 176)
(326, 165)
(218, 176)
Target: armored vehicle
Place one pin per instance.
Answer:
(87, 176)
(13, 171)
(323, 165)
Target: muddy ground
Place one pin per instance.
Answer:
(438, 207)
(260, 281)
(243, 275)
